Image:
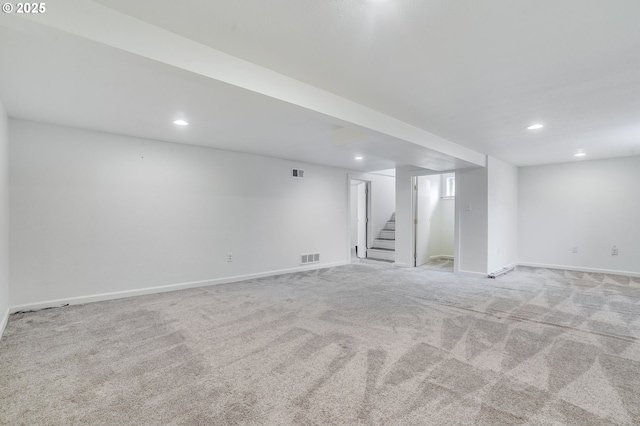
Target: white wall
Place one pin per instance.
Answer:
(471, 229)
(442, 220)
(435, 213)
(353, 215)
(447, 226)
(404, 215)
(4, 220)
(593, 205)
(502, 247)
(382, 197)
(94, 213)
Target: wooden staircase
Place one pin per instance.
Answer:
(384, 247)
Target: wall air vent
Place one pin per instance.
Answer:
(309, 258)
(297, 173)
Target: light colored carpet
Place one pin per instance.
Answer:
(358, 344)
(439, 264)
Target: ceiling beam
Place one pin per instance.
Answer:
(101, 24)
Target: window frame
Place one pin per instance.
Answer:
(448, 183)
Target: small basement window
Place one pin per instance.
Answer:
(449, 184)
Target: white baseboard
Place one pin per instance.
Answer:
(563, 267)
(579, 269)
(3, 322)
(441, 256)
(162, 289)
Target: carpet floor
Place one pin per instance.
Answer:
(356, 344)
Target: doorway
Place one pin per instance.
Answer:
(434, 220)
(359, 214)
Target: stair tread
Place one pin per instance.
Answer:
(382, 249)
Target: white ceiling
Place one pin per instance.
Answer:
(473, 73)
(71, 81)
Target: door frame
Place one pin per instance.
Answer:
(367, 214)
(415, 219)
(414, 178)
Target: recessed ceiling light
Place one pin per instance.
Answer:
(535, 127)
(580, 154)
(358, 158)
(181, 123)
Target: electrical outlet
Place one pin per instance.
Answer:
(230, 257)
(574, 249)
(614, 251)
